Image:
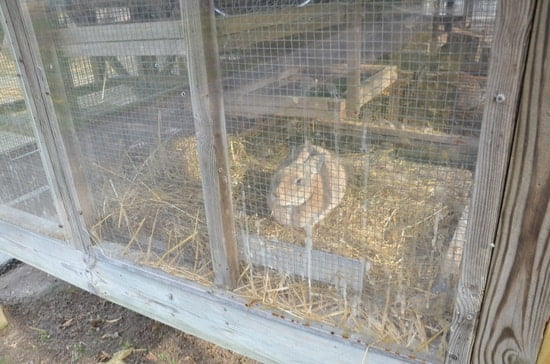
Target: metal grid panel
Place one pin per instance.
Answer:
(25, 192)
(353, 131)
(126, 88)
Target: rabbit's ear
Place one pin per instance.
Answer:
(301, 155)
(315, 163)
(293, 152)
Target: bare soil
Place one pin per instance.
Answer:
(50, 321)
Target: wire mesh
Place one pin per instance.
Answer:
(352, 132)
(354, 128)
(25, 192)
(124, 81)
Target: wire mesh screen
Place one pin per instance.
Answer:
(124, 82)
(352, 133)
(25, 193)
(353, 136)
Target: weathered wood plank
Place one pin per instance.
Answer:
(170, 29)
(166, 37)
(157, 47)
(449, 147)
(209, 117)
(205, 312)
(377, 83)
(324, 108)
(238, 102)
(51, 138)
(516, 307)
(263, 82)
(271, 33)
(513, 24)
(277, 17)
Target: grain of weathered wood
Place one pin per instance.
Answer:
(205, 312)
(513, 24)
(51, 138)
(516, 307)
(209, 117)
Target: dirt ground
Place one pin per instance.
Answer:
(50, 321)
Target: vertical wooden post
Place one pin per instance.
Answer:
(39, 98)
(208, 112)
(516, 307)
(354, 50)
(509, 50)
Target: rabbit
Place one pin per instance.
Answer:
(306, 187)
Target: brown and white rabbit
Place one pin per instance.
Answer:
(306, 187)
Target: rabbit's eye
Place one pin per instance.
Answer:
(299, 181)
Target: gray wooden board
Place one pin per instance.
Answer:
(206, 312)
(291, 259)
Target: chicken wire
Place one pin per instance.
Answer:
(352, 133)
(129, 107)
(355, 130)
(25, 192)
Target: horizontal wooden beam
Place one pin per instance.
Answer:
(166, 37)
(277, 17)
(253, 105)
(156, 47)
(206, 312)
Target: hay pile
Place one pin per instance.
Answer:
(397, 214)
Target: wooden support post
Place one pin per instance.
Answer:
(516, 308)
(354, 49)
(71, 195)
(208, 112)
(514, 22)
